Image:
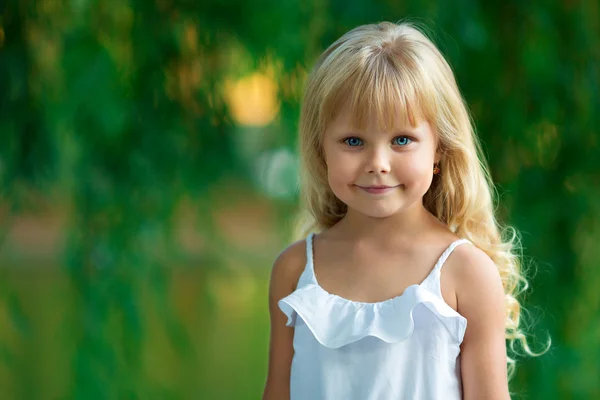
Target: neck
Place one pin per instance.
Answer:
(405, 225)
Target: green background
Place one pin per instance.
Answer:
(148, 175)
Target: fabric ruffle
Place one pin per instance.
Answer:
(336, 322)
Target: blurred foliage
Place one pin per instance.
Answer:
(154, 142)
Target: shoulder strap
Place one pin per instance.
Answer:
(308, 275)
(432, 282)
(309, 251)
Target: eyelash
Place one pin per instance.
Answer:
(402, 145)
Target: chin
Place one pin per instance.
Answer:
(375, 211)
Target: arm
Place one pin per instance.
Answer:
(285, 274)
(480, 298)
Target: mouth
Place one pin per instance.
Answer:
(378, 189)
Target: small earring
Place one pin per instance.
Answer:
(436, 169)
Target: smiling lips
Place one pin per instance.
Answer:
(379, 189)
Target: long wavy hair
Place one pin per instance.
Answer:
(376, 70)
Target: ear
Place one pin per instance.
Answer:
(438, 156)
(438, 151)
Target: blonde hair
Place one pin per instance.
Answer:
(377, 70)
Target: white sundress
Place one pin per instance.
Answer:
(404, 348)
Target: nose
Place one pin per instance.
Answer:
(378, 161)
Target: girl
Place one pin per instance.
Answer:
(407, 291)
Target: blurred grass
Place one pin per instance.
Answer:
(222, 314)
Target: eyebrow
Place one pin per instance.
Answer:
(403, 132)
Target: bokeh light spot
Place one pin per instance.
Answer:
(252, 100)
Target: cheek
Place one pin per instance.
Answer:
(338, 176)
(340, 167)
(416, 166)
(415, 170)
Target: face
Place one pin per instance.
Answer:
(379, 173)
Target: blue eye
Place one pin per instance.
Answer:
(353, 141)
(403, 140)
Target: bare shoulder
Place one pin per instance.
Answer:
(287, 268)
(474, 275)
(471, 263)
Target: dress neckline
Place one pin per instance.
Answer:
(310, 266)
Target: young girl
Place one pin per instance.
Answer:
(407, 290)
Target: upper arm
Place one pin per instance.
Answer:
(481, 300)
(284, 276)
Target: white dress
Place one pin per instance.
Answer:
(407, 347)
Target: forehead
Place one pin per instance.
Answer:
(397, 119)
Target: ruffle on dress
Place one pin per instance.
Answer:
(335, 321)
